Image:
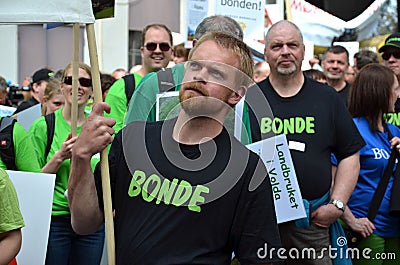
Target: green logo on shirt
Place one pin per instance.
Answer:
(295, 125)
(393, 118)
(176, 192)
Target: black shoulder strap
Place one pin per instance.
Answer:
(165, 80)
(129, 86)
(383, 183)
(50, 122)
(7, 150)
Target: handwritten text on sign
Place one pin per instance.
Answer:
(287, 197)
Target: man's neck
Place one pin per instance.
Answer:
(34, 97)
(287, 86)
(337, 84)
(142, 71)
(195, 130)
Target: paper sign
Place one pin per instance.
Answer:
(35, 196)
(275, 154)
(248, 13)
(46, 11)
(6, 111)
(167, 106)
(196, 11)
(28, 116)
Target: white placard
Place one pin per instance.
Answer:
(167, 105)
(276, 156)
(6, 111)
(248, 13)
(46, 11)
(29, 115)
(35, 196)
(196, 11)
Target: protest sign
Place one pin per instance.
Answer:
(29, 115)
(35, 196)
(275, 154)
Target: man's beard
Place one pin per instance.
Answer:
(287, 71)
(199, 105)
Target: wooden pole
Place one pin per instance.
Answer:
(75, 66)
(105, 174)
(288, 8)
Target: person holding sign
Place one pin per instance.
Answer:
(64, 245)
(184, 190)
(11, 220)
(316, 123)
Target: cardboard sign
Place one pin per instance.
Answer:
(35, 196)
(167, 105)
(28, 116)
(6, 111)
(275, 154)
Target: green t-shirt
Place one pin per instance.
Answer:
(25, 156)
(118, 102)
(10, 215)
(142, 104)
(38, 131)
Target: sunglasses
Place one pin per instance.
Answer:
(387, 55)
(86, 82)
(152, 46)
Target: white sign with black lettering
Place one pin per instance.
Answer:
(276, 156)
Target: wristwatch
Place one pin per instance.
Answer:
(339, 204)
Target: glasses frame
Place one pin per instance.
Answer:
(85, 82)
(152, 46)
(386, 55)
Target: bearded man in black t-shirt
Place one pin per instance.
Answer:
(184, 190)
(316, 123)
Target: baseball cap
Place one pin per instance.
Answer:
(42, 74)
(392, 41)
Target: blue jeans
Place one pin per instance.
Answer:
(65, 247)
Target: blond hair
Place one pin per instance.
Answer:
(233, 44)
(53, 88)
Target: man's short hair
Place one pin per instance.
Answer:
(365, 57)
(338, 49)
(233, 44)
(157, 26)
(278, 23)
(219, 23)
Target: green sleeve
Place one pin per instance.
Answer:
(143, 99)
(116, 98)
(142, 105)
(246, 130)
(38, 133)
(10, 217)
(25, 156)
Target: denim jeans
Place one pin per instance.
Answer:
(65, 247)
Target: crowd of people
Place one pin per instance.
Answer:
(186, 191)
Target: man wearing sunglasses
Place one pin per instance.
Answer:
(156, 53)
(391, 58)
(391, 52)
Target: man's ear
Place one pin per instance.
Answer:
(236, 96)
